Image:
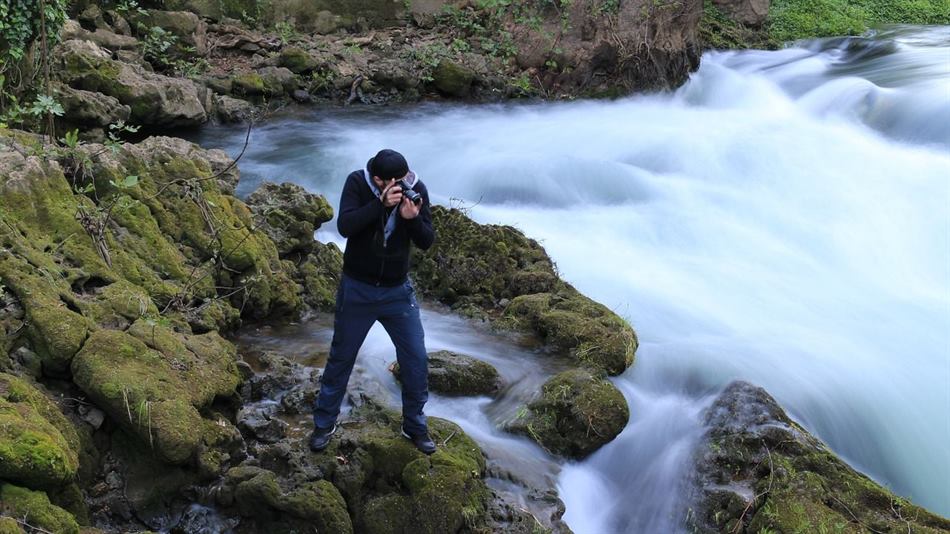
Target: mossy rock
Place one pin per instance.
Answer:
(38, 445)
(453, 79)
(153, 381)
(8, 525)
(319, 275)
(247, 84)
(497, 274)
(34, 508)
(576, 414)
(297, 60)
(751, 447)
(451, 373)
(258, 494)
(290, 215)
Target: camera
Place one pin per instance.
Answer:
(407, 192)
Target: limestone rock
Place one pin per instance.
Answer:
(758, 470)
(452, 78)
(87, 109)
(752, 13)
(187, 26)
(576, 414)
(451, 373)
(291, 214)
(154, 99)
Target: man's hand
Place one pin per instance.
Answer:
(408, 209)
(391, 196)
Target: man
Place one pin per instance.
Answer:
(379, 222)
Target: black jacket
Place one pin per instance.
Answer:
(362, 218)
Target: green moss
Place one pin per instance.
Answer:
(155, 387)
(38, 445)
(8, 525)
(297, 60)
(248, 84)
(575, 415)
(474, 268)
(34, 508)
(320, 274)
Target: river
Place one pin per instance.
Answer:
(783, 218)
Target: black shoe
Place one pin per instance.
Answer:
(422, 441)
(321, 438)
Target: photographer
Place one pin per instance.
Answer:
(383, 208)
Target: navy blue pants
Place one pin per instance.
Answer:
(358, 306)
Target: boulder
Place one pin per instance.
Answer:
(153, 381)
(297, 60)
(88, 109)
(230, 110)
(155, 100)
(38, 445)
(37, 511)
(318, 505)
(453, 79)
(756, 470)
(102, 37)
(291, 215)
(575, 414)
(451, 373)
(319, 274)
(752, 13)
(186, 26)
(474, 268)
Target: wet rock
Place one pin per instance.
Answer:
(576, 414)
(154, 99)
(472, 267)
(261, 422)
(758, 470)
(451, 373)
(301, 97)
(319, 274)
(292, 215)
(278, 80)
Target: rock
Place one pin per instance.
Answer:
(188, 27)
(297, 60)
(231, 110)
(387, 485)
(91, 17)
(87, 109)
(313, 505)
(261, 422)
(278, 80)
(451, 373)
(291, 215)
(92, 415)
(152, 381)
(319, 274)
(757, 470)
(453, 79)
(102, 36)
(752, 13)
(471, 267)
(301, 97)
(39, 447)
(247, 84)
(155, 100)
(16, 501)
(30, 361)
(576, 414)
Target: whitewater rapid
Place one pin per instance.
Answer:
(784, 218)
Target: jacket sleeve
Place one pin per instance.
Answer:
(420, 228)
(354, 215)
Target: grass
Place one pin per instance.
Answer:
(798, 19)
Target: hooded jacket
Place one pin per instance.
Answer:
(362, 219)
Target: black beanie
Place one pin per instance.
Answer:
(388, 164)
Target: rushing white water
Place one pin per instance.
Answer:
(783, 218)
